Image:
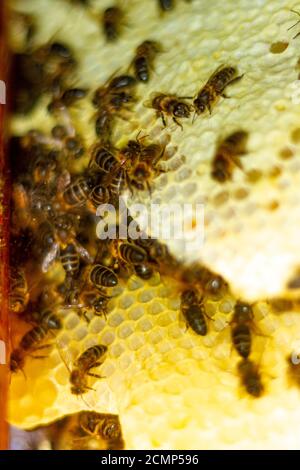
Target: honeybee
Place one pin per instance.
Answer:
(111, 20)
(141, 175)
(103, 159)
(103, 124)
(39, 71)
(294, 369)
(250, 377)
(59, 49)
(102, 276)
(17, 360)
(59, 106)
(115, 183)
(166, 5)
(28, 24)
(44, 168)
(19, 294)
(73, 146)
(22, 213)
(112, 99)
(171, 105)
(40, 199)
(83, 299)
(121, 82)
(241, 324)
(227, 156)
(31, 204)
(66, 99)
(141, 163)
(214, 285)
(99, 195)
(70, 259)
(59, 132)
(34, 337)
(193, 311)
(29, 343)
(157, 252)
(103, 426)
(71, 95)
(46, 318)
(144, 56)
(215, 87)
(115, 93)
(88, 360)
(132, 150)
(98, 301)
(58, 240)
(131, 254)
(77, 192)
(57, 61)
(143, 271)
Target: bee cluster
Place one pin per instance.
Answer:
(54, 208)
(54, 205)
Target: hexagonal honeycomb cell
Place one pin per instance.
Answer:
(172, 388)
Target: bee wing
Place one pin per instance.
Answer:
(20, 196)
(63, 181)
(148, 103)
(220, 67)
(50, 257)
(65, 356)
(83, 253)
(236, 160)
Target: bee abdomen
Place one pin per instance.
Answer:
(77, 192)
(141, 69)
(250, 378)
(111, 429)
(35, 335)
(195, 318)
(241, 337)
(50, 320)
(101, 276)
(70, 259)
(17, 301)
(99, 195)
(132, 254)
(105, 160)
(89, 357)
(143, 271)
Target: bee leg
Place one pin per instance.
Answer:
(95, 375)
(38, 357)
(84, 314)
(44, 346)
(161, 115)
(149, 188)
(236, 79)
(225, 96)
(102, 314)
(128, 182)
(178, 123)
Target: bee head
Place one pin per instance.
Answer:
(182, 110)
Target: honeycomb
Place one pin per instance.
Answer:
(171, 388)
